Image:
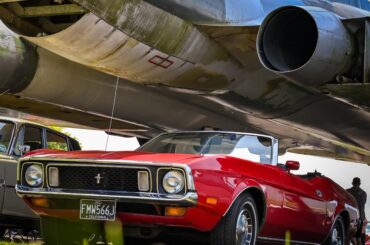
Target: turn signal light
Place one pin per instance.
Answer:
(175, 211)
(211, 200)
(40, 202)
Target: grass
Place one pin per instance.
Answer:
(18, 243)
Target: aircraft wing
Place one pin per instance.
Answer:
(297, 69)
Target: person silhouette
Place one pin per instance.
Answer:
(361, 197)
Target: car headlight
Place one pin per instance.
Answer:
(34, 175)
(173, 182)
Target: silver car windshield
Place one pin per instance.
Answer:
(6, 131)
(251, 147)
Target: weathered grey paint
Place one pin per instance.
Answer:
(215, 80)
(121, 38)
(151, 106)
(18, 61)
(244, 12)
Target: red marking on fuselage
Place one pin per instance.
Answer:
(161, 61)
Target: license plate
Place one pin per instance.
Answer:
(98, 210)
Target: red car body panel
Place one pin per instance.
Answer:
(304, 206)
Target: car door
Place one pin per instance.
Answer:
(271, 179)
(14, 206)
(7, 131)
(2, 180)
(4, 161)
(304, 207)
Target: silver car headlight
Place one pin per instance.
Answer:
(34, 175)
(173, 182)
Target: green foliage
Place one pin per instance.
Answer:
(61, 130)
(17, 243)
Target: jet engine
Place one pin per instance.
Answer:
(309, 45)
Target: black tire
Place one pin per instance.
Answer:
(337, 234)
(2, 232)
(242, 214)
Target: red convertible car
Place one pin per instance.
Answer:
(227, 185)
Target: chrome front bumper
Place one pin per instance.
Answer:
(189, 199)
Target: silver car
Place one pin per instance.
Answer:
(18, 137)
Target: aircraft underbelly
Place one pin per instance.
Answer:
(157, 48)
(75, 86)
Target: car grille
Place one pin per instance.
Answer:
(113, 179)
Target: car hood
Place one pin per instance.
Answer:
(122, 155)
(5, 156)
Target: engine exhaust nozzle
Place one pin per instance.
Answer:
(309, 45)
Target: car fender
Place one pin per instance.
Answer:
(244, 187)
(226, 187)
(254, 188)
(229, 189)
(349, 214)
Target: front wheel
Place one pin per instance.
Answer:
(239, 226)
(337, 234)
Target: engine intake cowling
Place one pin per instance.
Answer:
(18, 61)
(309, 45)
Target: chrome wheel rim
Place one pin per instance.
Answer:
(245, 226)
(337, 235)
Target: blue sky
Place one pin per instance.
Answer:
(341, 172)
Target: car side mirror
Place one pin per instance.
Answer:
(23, 149)
(292, 165)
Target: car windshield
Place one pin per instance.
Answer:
(6, 131)
(251, 147)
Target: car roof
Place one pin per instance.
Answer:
(18, 120)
